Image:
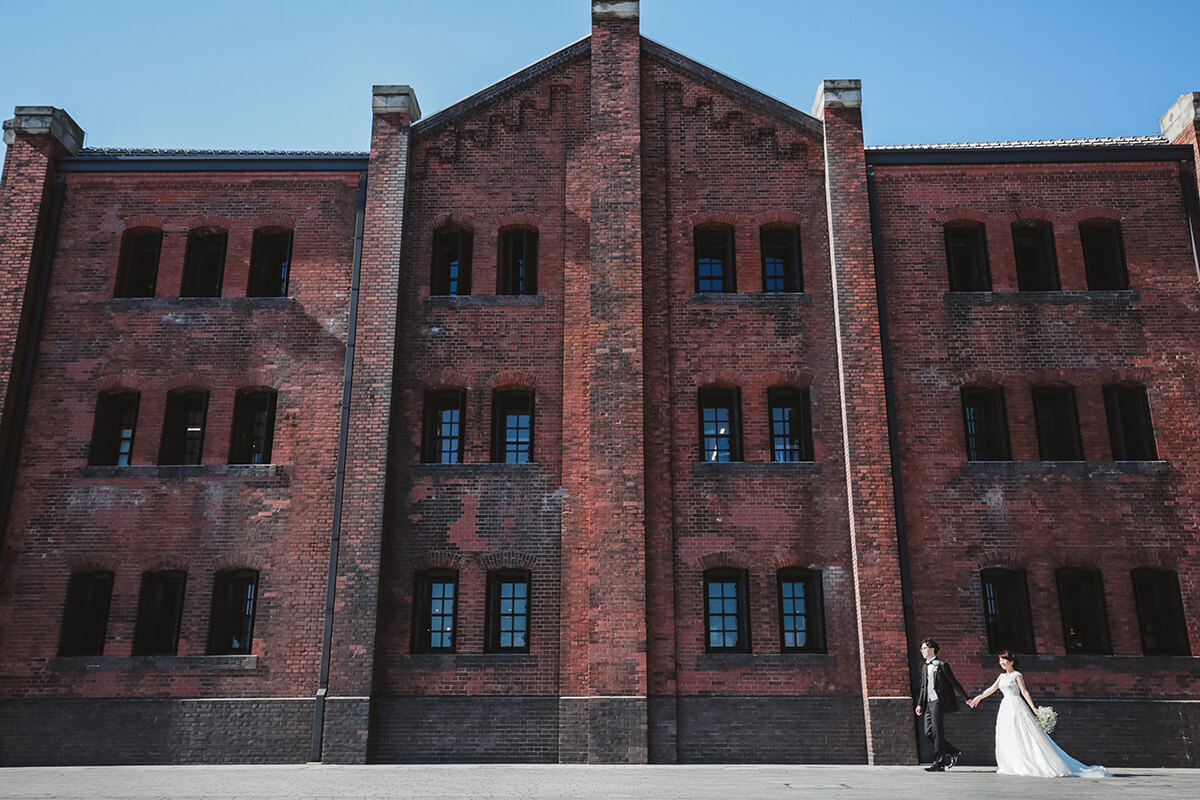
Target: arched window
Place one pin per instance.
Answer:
(780, 247)
(435, 605)
(726, 617)
(253, 427)
(451, 262)
(714, 251)
(801, 613)
(1129, 427)
(137, 270)
(85, 614)
(160, 611)
(720, 425)
(113, 428)
(270, 263)
(235, 599)
(1006, 610)
(1103, 254)
(985, 423)
(204, 263)
(1037, 265)
(967, 256)
(516, 272)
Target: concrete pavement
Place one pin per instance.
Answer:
(538, 781)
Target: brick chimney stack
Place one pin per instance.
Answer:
(603, 683)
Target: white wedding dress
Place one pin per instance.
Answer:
(1022, 748)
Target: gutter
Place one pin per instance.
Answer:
(16, 432)
(339, 479)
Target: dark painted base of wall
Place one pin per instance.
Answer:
(757, 730)
(159, 731)
(1115, 733)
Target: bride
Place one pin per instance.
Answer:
(1022, 748)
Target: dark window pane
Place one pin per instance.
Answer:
(1081, 600)
(800, 614)
(434, 602)
(508, 611)
(235, 595)
(1037, 267)
(451, 263)
(714, 260)
(966, 255)
(112, 434)
(725, 611)
(160, 610)
(512, 427)
(85, 615)
(791, 425)
(1006, 611)
(1103, 255)
(720, 425)
(204, 264)
(137, 272)
(1129, 427)
(253, 428)
(270, 258)
(183, 428)
(1057, 423)
(1160, 612)
(984, 420)
(781, 259)
(444, 416)
(517, 272)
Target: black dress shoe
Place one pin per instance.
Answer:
(935, 768)
(954, 760)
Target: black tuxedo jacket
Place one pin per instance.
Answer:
(944, 683)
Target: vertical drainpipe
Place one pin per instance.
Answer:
(12, 448)
(906, 592)
(340, 478)
(1188, 189)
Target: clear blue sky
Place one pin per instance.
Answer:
(262, 74)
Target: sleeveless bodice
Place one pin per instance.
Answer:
(1008, 684)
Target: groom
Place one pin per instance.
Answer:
(938, 686)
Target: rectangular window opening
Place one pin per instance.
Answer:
(253, 428)
(714, 260)
(801, 618)
(160, 612)
(791, 425)
(1081, 601)
(183, 429)
(1057, 423)
(204, 264)
(512, 427)
(235, 594)
(725, 620)
(781, 259)
(508, 612)
(1006, 611)
(966, 255)
(720, 425)
(270, 259)
(517, 272)
(434, 607)
(85, 614)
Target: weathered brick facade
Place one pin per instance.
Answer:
(614, 151)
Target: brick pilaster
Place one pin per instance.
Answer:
(874, 547)
(361, 531)
(36, 136)
(603, 676)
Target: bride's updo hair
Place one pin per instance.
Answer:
(1009, 655)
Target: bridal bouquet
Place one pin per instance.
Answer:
(1047, 719)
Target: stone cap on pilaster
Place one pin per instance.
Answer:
(837, 94)
(614, 9)
(395, 100)
(42, 120)
(1184, 114)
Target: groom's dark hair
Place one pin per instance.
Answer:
(929, 641)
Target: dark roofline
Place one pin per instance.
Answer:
(119, 160)
(502, 88)
(723, 83)
(1064, 152)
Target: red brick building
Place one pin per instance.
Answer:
(618, 413)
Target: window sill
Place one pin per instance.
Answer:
(118, 663)
(180, 472)
(769, 661)
(199, 303)
(448, 661)
(476, 466)
(1133, 662)
(485, 301)
(1088, 469)
(755, 299)
(1113, 297)
(755, 469)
